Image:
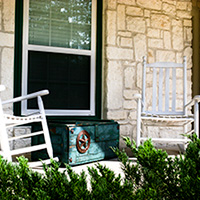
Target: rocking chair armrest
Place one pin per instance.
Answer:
(25, 97)
(192, 102)
(137, 96)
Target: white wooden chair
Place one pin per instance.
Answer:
(161, 83)
(10, 121)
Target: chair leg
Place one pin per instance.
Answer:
(4, 137)
(47, 137)
(138, 122)
(45, 128)
(196, 118)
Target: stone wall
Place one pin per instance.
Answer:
(7, 14)
(158, 29)
(7, 21)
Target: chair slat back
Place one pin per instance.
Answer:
(164, 87)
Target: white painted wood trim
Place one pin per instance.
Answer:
(167, 90)
(167, 119)
(174, 89)
(92, 53)
(144, 83)
(160, 93)
(166, 139)
(28, 149)
(25, 135)
(165, 65)
(25, 97)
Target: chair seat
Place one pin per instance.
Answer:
(12, 121)
(167, 118)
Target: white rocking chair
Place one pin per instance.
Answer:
(164, 108)
(10, 121)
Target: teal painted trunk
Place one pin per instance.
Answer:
(80, 142)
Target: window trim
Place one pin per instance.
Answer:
(91, 53)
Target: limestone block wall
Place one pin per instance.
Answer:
(7, 20)
(7, 15)
(158, 29)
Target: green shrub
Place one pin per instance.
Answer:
(105, 184)
(20, 182)
(154, 176)
(157, 176)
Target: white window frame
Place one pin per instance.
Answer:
(92, 53)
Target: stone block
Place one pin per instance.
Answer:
(165, 56)
(187, 22)
(135, 24)
(161, 21)
(125, 33)
(173, 2)
(155, 43)
(114, 85)
(167, 40)
(121, 17)
(188, 34)
(184, 14)
(179, 57)
(148, 23)
(134, 11)
(119, 53)
(169, 9)
(177, 22)
(177, 38)
(7, 62)
(181, 5)
(147, 13)
(126, 130)
(149, 79)
(111, 27)
(127, 2)
(117, 115)
(128, 63)
(179, 72)
(126, 42)
(139, 75)
(153, 4)
(8, 15)
(7, 39)
(140, 46)
(128, 94)
(189, 6)
(130, 104)
(188, 54)
(129, 74)
(153, 32)
(132, 115)
(153, 131)
(151, 57)
(18, 131)
(112, 4)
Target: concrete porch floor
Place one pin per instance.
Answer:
(112, 164)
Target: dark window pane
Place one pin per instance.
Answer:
(66, 76)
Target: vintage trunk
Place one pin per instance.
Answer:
(80, 142)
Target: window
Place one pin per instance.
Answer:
(59, 54)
